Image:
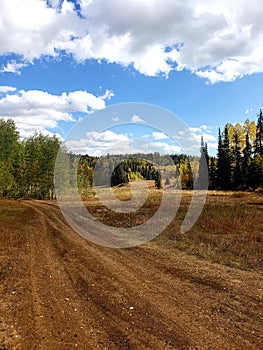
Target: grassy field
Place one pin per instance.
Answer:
(229, 230)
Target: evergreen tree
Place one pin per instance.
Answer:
(119, 176)
(167, 181)
(158, 179)
(202, 178)
(220, 163)
(259, 135)
(212, 173)
(247, 164)
(237, 171)
(227, 160)
(224, 161)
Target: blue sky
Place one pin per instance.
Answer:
(61, 61)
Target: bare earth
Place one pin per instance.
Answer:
(59, 291)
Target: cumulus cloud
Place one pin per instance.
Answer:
(217, 40)
(157, 135)
(13, 67)
(194, 134)
(100, 143)
(137, 119)
(162, 148)
(202, 131)
(38, 110)
(5, 89)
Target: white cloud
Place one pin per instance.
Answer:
(162, 148)
(100, 143)
(13, 67)
(206, 128)
(195, 129)
(212, 145)
(115, 119)
(249, 110)
(38, 110)
(106, 136)
(217, 40)
(200, 128)
(159, 135)
(5, 89)
(108, 95)
(137, 119)
(193, 136)
(208, 137)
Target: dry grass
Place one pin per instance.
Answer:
(118, 219)
(229, 230)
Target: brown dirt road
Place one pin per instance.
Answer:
(59, 291)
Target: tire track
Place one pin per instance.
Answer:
(147, 298)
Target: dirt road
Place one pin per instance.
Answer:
(59, 291)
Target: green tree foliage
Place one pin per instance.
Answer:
(158, 179)
(167, 181)
(240, 156)
(26, 167)
(9, 160)
(237, 162)
(259, 135)
(220, 162)
(227, 160)
(212, 173)
(135, 169)
(202, 180)
(247, 164)
(224, 160)
(40, 155)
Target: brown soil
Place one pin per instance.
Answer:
(59, 291)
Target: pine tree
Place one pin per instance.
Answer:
(158, 179)
(237, 171)
(212, 173)
(202, 178)
(167, 181)
(119, 176)
(258, 153)
(259, 135)
(224, 161)
(227, 160)
(220, 163)
(247, 164)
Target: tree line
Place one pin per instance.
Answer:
(27, 166)
(239, 161)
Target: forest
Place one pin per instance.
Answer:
(27, 166)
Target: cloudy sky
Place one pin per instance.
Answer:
(63, 60)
